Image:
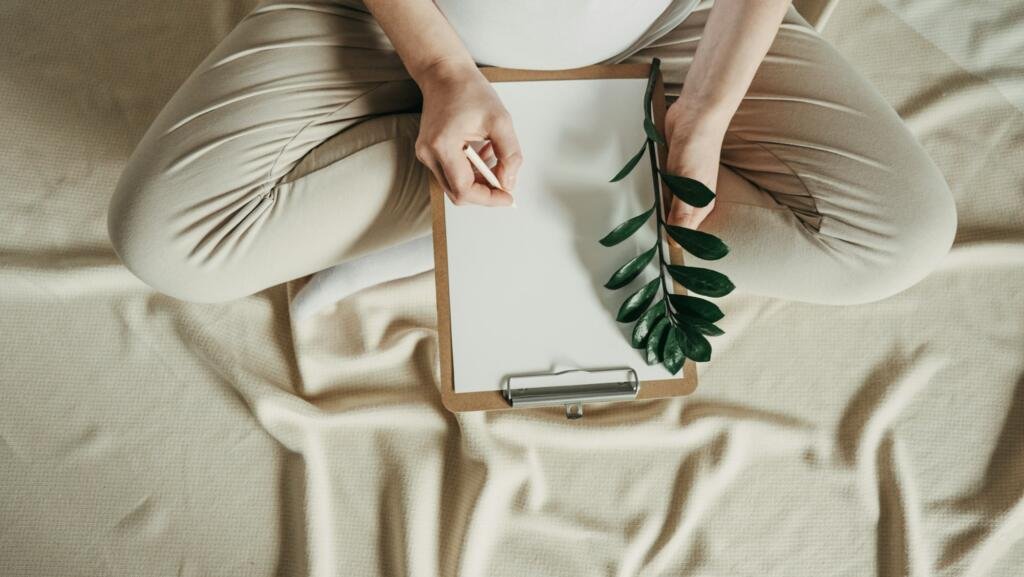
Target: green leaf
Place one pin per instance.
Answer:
(703, 281)
(649, 91)
(631, 164)
(693, 307)
(652, 131)
(630, 270)
(694, 345)
(643, 327)
(706, 328)
(700, 244)
(626, 229)
(673, 356)
(637, 302)
(656, 341)
(692, 192)
(673, 328)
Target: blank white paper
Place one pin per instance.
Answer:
(526, 283)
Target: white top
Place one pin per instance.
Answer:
(559, 34)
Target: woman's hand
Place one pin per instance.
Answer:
(461, 106)
(694, 150)
(735, 40)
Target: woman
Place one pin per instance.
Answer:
(294, 146)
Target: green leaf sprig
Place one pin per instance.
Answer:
(674, 327)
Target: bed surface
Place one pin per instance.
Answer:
(144, 436)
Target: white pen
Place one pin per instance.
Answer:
(481, 166)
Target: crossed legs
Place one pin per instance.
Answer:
(290, 151)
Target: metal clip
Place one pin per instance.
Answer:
(572, 388)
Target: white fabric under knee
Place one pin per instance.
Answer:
(334, 284)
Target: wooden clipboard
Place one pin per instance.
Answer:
(684, 384)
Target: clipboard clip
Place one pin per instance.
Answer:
(572, 388)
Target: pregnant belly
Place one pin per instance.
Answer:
(546, 35)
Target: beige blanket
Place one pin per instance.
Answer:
(143, 436)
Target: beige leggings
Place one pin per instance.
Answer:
(290, 150)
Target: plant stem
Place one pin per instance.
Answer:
(652, 152)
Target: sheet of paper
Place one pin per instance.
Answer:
(526, 283)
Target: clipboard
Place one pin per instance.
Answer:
(599, 384)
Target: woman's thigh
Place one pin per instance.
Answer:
(287, 151)
(823, 194)
(256, 172)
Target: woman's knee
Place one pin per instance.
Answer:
(142, 233)
(914, 238)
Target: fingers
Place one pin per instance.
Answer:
(449, 165)
(464, 186)
(454, 172)
(684, 215)
(486, 153)
(507, 150)
(679, 213)
(444, 156)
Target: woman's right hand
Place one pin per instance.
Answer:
(460, 106)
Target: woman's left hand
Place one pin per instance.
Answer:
(694, 150)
